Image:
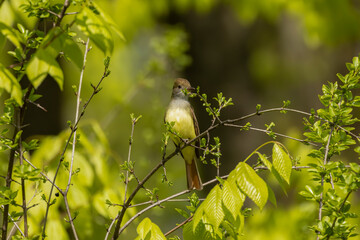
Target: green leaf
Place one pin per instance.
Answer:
(232, 198)
(53, 42)
(264, 160)
(109, 21)
(200, 232)
(272, 197)
(282, 162)
(213, 207)
(149, 231)
(73, 52)
(41, 64)
(182, 212)
(250, 183)
(198, 216)
(271, 168)
(10, 34)
(96, 29)
(10, 84)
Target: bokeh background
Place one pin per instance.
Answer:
(256, 52)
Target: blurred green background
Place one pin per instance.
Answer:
(257, 52)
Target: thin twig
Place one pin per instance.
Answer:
(44, 175)
(151, 206)
(162, 160)
(16, 226)
(338, 211)
(267, 131)
(171, 200)
(51, 12)
(13, 229)
(62, 13)
(71, 13)
(37, 105)
(77, 116)
(218, 164)
(96, 90)
(179, 226)
(133, 122)
(108, 231)
(322, 178)
(139, 186)
(23, 193)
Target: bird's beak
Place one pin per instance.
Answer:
(190, 89)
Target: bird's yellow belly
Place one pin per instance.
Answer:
(184, 123)
(184, 126)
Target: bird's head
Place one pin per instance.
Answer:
(180, 85)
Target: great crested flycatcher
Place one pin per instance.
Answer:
(182, 114)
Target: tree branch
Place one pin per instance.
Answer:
(179, 226)
(62, 13)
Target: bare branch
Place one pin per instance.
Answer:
(62, 13)
(44, 175)
(77, 116)
(96, 89)
(179, 226)
(275, 133)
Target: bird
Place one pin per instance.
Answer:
(181, 114)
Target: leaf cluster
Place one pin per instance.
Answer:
(334, 181)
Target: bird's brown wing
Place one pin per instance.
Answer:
(197, 132)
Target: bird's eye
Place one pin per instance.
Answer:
(179, 86)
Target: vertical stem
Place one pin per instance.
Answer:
(24, 205)
(77, 114)
(19, 118)
(322, 178)
(218, 165)
(133, 121)
(162, 160)
(8, 184)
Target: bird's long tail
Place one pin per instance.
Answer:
(192, 175)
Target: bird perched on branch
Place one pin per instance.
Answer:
(181, 113)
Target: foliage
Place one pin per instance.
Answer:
(331, 128)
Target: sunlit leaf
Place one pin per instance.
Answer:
(109, 21)
(232, 198)
(148, 230)
(272, 197)
(213, 207)
(10, 84)
(282, 162)
(41, 64)
(198, 216)
(10, 34)
(96, 29)
(250, 183)
(73, 52)
(200, 232)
